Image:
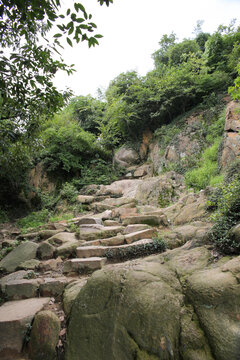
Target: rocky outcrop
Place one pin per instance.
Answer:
(161, 190)
(231, 140)
(39, 180)
(125, 157)
(178, 305)
(184, 145)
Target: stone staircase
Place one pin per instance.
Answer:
(48, 268)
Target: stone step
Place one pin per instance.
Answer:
(112, 241)
(139, 235)
(124, 212)
(100, 207)
(99, 251)
(15, 317)
(93, 232)
(82, 265)
(122, 239)
(135, 227)
(19, 285)
(153, 220)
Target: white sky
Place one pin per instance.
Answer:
(132, 30)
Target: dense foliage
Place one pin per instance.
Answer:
(226, 201)
(29, 60)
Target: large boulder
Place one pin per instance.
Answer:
(189, 208)
(132, 312)
(44, 336)
(25, 251)
(125, 157)
(177, 305)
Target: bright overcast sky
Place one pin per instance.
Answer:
(132, 30)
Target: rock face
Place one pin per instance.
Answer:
(231, 139)
(125, 157)
(161, 190)
(187, 143)
(171, 306)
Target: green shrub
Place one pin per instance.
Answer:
(216, 180)
(69, 192)
(215, 128)
(3, 216)
(33, 220)
(232, 171)
(226, 201)
(207, 171)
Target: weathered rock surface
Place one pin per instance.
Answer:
(61, 238)
(83, 265)
(231, 139)
(92, 251)
(68, 249)
(125, 157)
(71, 292)
(139, 235)
(21, 289)
(45, 251)
(29, 264)
(189, 208)
(18, 275)
(195, 232)
(98, 232)
(183, 145)
(145, 170)
(177, 305)
(52, 287)
(44, 336)
(15, 317)
(85, 199)
(160, 190)
(24, 251)
(153, 220)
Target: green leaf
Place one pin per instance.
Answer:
(98, 36)
(69, 42)
(61, 27)
(68, 12)
(81, 7)
(79, 20)
(76, 7)
(70, 30)
(57, 35)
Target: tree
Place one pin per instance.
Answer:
(27, 66)
(88, 112)
(29, 60)
(160, 56)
